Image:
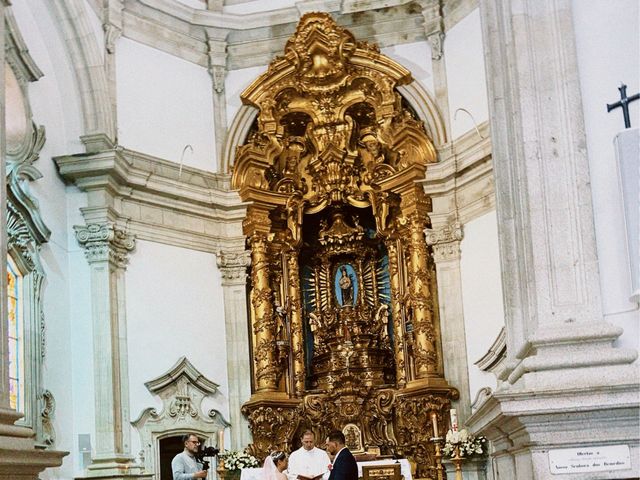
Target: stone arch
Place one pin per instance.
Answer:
(416, 95)
(88, 65)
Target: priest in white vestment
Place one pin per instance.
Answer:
(308, 462)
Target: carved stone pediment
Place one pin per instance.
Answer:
(182, 390)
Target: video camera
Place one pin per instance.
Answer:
(206, 452)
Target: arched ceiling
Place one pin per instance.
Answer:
(256, 30)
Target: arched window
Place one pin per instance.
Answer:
(15, 298)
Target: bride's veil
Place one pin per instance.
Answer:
(269, 470)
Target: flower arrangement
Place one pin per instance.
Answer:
(237, 460)
(469, 445)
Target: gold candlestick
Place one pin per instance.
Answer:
(457, 461)
(437, 439)
(438, 456)
(220, 470)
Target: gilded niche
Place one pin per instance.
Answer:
(343, 300)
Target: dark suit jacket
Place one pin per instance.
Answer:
(344, 467)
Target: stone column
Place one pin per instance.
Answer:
(106, 249)
(445, 242)
(233, 267)
(565, 384)
(18, 456)
(217, 45)
(434, 31)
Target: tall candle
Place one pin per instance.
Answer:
(221, 439)
(454, 419)
(434, 423)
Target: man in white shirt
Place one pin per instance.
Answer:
(184, 465)
(308, 462)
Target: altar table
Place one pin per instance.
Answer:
(405, 469)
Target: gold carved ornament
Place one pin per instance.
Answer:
(343, 296)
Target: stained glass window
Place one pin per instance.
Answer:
(16, 337)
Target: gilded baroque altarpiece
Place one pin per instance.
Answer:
(343, 299)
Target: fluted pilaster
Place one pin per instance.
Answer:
(107, 248)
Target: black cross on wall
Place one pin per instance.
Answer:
(624, 103)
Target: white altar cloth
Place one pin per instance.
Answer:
(405, 469)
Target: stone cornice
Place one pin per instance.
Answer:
(466, 157)
(157, 200)
(465, 166)
(183, 367)
(255, 38)
(497, 353)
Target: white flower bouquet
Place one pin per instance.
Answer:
(237, 460)
(469, 445)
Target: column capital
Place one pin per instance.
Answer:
(445, 241)
(257, 222)
(111, 35)
(105, 242)
(233, 266)
(218, 75)
(436, 42)
(112, 23)
(217, 53)
(434, 27)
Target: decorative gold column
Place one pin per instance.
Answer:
(257, 227)
(415, 207)
(295, 310)
(396, 309)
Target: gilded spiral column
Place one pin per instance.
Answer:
(415, 208)
(425, 349)
(264, 341)
(294, 294)
(396, 309)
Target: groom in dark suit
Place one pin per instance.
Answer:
(344, 465)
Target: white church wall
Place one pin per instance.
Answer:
(416, 57)
(80, 319)
(608, 48)
(466, 79)
(235, 83)
(164, 103)
(481, 294)
(174, 308)
(67, 370)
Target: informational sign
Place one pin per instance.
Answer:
(589, 459)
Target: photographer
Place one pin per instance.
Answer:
(184, 465)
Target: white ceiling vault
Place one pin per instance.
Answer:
(254, 31)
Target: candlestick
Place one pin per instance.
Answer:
(440, 472)
(457, 461)
(434, 423)
(454, 419)
(221, 440)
